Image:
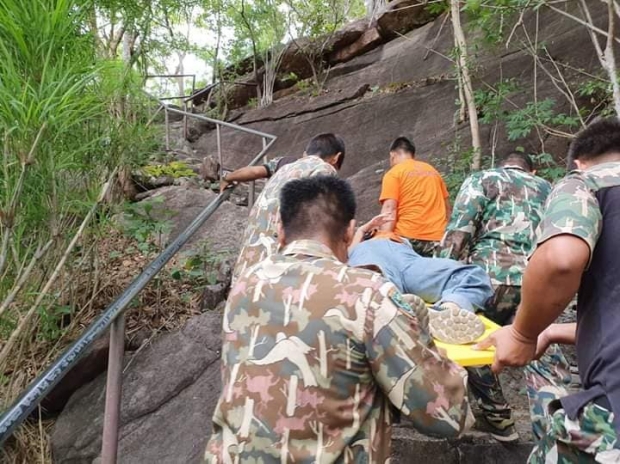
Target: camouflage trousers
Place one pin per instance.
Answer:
(424, 248)
(589, 438)
(483, 383)
(502, 306)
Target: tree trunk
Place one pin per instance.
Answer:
(180, 71)
(606, 57)
(468, 90)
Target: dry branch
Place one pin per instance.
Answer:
(25, 321)
(468, 90)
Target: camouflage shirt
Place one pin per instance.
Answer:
(494, 222)
(314, 354)
(273, 165)
(260, 237)
(572, 207)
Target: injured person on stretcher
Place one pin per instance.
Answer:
(454, 290)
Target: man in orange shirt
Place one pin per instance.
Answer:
(414, 193)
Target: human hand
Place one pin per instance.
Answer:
(543, 342)
(224, 184)
(511, 348)
(377, 222)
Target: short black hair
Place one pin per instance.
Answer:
(403, 144)
(325, 146)
(600, 138)
(323, 203)
(522, 160)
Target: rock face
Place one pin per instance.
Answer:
(169, 393)
(222, 232)
(410, 91)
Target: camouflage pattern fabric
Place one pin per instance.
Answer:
(502, 306)
(486, 389)
(572, 207)
(277, 163)
(314, 353)
(590, 438)
(483, 383)
(494, 220)
(272, 165)
(260, 237)
(424, 248)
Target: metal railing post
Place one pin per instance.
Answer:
(218, 136)
(252, 196)
(167, 123)
(113, 391)
(185, 119)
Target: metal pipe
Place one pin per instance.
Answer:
(44, 383)
(167, 123)
(168, 76)
(252, 195)
(219, 150)
(216, 121)
(113, 392)
(224, 124)
(185, 118)
(150, 121)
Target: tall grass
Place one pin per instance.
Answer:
(67, 120)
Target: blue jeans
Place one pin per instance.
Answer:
(435, 280)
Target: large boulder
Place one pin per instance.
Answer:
(401, 16)
(86, 370)
(371, 38)
(169, 392)
(347, 35)
(181, 204)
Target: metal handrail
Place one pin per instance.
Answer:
(113, 318)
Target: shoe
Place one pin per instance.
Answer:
(449, 323)
(502, 430)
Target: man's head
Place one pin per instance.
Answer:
(598, 143)
(520, 160)
(401, 149)
(318, 208)
(329, 147)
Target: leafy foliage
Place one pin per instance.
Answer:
(146, 227)
(174, 169)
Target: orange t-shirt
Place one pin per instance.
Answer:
(421, 193)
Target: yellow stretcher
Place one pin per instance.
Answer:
(464, 356)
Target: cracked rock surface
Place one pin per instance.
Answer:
(169, 392)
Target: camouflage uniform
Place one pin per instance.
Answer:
(260, 237)
(493, 225)
(590, 438)
(425, 248)
(314, 354)
(572, 208)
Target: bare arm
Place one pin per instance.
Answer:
(372, 225)
(550, 281)
(389, 209)
(448, 209)
(245, 174)
(564, 334)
